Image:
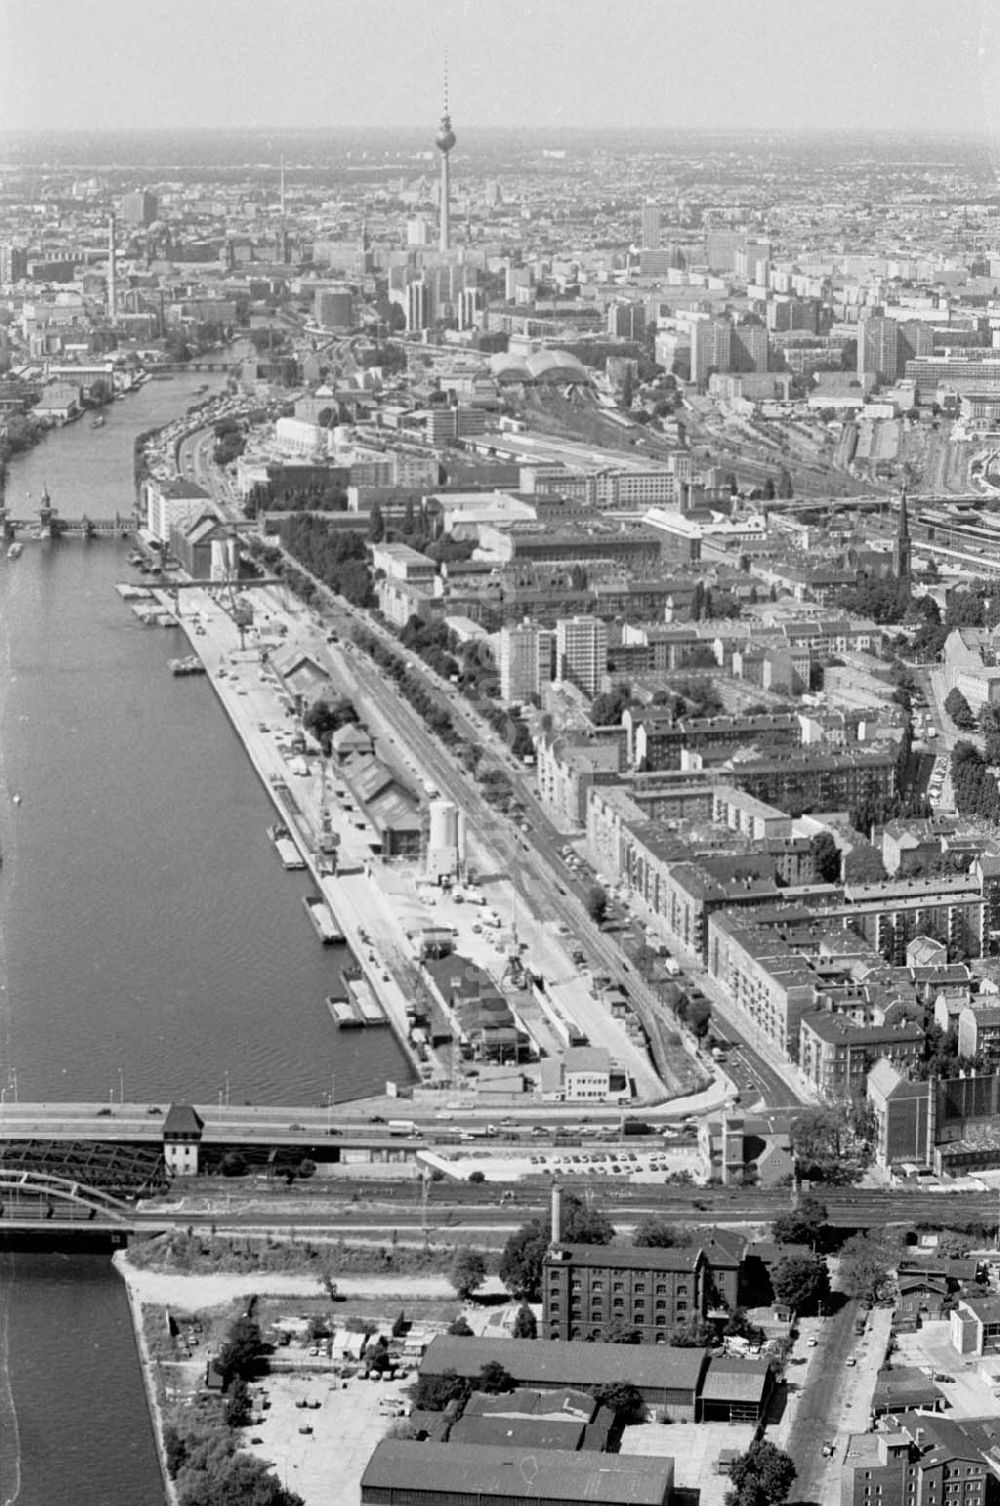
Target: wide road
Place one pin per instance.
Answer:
(817, 1418)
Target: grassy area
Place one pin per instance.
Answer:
(217, 1254)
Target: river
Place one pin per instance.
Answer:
(150, 942)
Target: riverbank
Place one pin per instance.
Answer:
(314, 1423)
(150, 1374)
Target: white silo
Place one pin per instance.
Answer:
(443, 838)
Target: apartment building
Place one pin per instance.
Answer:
(925, 1461)
(837, 1054)
(582, 652)
(527, 660)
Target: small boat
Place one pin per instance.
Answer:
(15, 549)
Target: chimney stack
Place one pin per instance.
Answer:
(556, 1214)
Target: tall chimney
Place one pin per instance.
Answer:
(556, 1214)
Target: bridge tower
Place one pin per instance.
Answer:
(46, 514)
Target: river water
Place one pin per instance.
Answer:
(150, 942)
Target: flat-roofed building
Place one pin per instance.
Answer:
(836, 1054)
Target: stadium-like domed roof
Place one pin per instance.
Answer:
(509, 368)
(556, 366)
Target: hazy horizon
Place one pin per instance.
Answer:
(764, 66)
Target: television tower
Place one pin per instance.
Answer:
(444, 141)
(112, 273)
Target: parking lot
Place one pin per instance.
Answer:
(652, 1164)
(327, 1462)
(969, 1393)
(694, 1448)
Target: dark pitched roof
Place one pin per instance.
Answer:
(182, 1119)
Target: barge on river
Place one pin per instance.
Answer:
(355, 1006)
(291, 857)
(323, 921)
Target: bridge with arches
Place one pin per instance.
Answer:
(28, 1198)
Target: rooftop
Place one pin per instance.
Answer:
(483, 1470)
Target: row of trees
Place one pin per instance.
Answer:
(974, 785)
(338, 559)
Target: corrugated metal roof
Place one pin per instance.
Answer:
(555, 1474)
(736, 1380)
(571, 1363)
(519, 1432)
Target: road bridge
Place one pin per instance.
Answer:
(50, 525)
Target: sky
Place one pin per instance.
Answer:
(543, 64)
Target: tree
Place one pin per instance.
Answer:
(865, 1268)
(698, 1017)
(623, 1398)
(826, 858)
(494, 1379)
(804, 1225)
(459, 1328)
(323, 718)
(818, 1144)
(597, 904)
(959, 709)
(521, 1261)
(738, 1326)
(376, 525)
(239, 1404)
(241, 1351)
(656, 1234)
(801, 1282)
(400, 1326)
(433, 1393)
(989, 725)
(606, 708)
(525, 1323)
(762, 1476)
(468, 1272)
(785, 490)
(693, 1335)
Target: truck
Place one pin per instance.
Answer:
(402, 1127)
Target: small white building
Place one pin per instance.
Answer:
(182, 1132)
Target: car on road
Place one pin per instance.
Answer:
(850, 1362)
(827, 1449)
(812, 1341)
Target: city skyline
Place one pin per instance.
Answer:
(652, 63)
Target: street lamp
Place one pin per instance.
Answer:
(333, 1089)
(121, 1085)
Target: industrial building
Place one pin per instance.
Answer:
(405, 1473)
